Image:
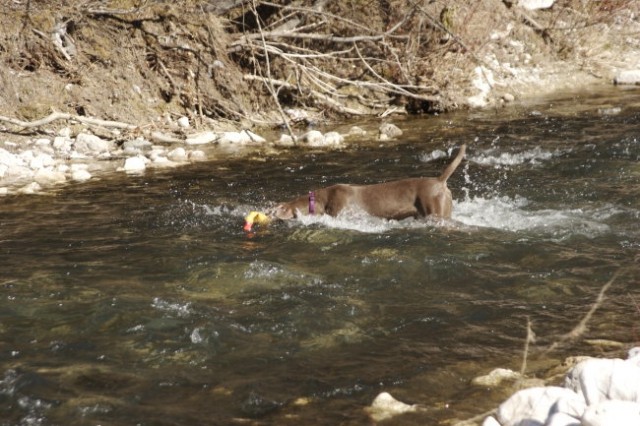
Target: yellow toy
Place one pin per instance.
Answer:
(255, 217)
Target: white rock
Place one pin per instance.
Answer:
(80, 175)
(495, 377)
(62, 144)
(197, 155)
(385, 406)
(286, 140)
(79, 166)
(135, 164)
(10, 159)
(48, 177)
(4, 190)
(390, 130)
(630, 77)
(26, 156)
(30, 188)
(43, 142)
(184, 122)
(602, 379)
(357, 131)
(296, 115)
(254, 137)
(178, 155)
(490, 421)
(91, 144)
(41, 160)
(161, 160)
(529, 407)
(535, 4)
(313, 138)
(136, 145)
(612, 413)
(573, 407)
(562, 419)
(65, 132)
(234, 138)
(156, 153)
(483, 81)
(201, 138)
(333, 138)
(241, 138)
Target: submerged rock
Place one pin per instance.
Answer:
(313, 138)
(389, 131)
(333, 138)
(496, 377)
(178, 155)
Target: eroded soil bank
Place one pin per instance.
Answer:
(170, 74)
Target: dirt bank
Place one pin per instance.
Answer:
(138, 66)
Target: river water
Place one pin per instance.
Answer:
(140, 300)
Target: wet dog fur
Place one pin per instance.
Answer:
(400, 199)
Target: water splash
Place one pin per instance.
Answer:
(496, 157)
(180, 309)
(515, 215)
(534, 156)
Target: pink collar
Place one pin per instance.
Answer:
(312, 202)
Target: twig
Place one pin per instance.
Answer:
(320, 97)
(581, 328)
(531, 338)
(269, 81)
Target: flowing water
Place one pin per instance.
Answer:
(140, 300)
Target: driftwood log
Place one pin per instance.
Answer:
(156, 136)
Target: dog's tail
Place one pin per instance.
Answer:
(454, 165)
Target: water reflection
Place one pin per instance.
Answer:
(141, 300)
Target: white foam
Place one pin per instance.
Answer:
(497, 157)
(180, 309)
(514, 215)
(492, 157)
(362, 222)
(500, 213)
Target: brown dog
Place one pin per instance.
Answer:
(417, 197)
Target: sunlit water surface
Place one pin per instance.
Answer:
(140, 300)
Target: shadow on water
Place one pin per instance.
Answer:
(140, 300)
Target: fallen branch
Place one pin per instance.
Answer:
(319, 97)
(269, 81)
(55, 116)
(581, 327)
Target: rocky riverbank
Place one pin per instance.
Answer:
(594, 392)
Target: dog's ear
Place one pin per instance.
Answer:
(284, 212)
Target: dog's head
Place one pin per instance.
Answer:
(284, 211)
